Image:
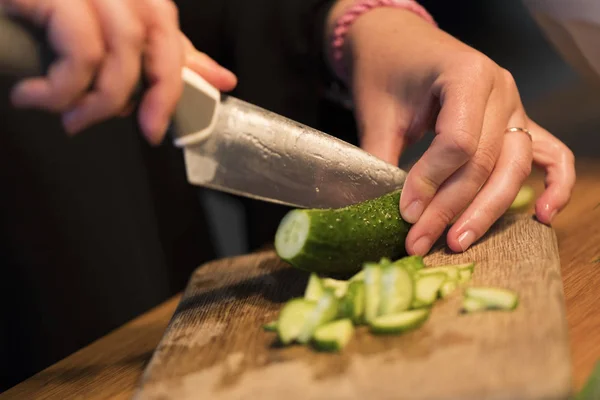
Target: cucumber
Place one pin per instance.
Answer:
(372, 290)
(412, 263)
(401, 322)
(292, 318)
(341, 240)
(339, 287)
(471, 305)
(591, 389)
(326, 310)
(464, 276)
(333, 336)
(523, 200)
(450, 271)
(270, 326)
(427, 289)
(494, 298)
(353, 304)
(448, 288)
(385, 261)
(466, 267)
(359, 276)
(314, 288)
(397, 289)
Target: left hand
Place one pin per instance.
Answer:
(407, 76)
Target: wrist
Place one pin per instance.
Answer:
(365, 21)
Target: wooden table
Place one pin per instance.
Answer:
(111, 366)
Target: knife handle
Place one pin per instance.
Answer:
(25, 52)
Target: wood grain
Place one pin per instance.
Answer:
(215, 347)
(98, 371)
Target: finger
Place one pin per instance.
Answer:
(496, 196)
(218, 76)
(382, 122)
(77, 42)
(458, 131)
(559, 162)
(163, 62)
(462, 187)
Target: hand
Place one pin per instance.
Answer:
(102, 47)
(408, 76)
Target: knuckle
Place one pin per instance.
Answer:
(479, 66)
(507, 78)
(443, 215)
(462, 144)
(484, 162)
(134, 34)
(170, 9)
(522, 169)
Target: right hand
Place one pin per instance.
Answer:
(102, 46)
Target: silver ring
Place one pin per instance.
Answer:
(517, 129)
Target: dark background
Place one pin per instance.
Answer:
(145, 230)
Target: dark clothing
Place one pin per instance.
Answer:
(97, 229)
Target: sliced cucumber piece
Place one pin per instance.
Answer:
(270, 326)
(411, 263)
(385, 261)
(464, 276)
(494, 298)
(523, 200)
(427, 289)
(359, 276)
(339, 287)
(591, 389)
(314, 288)
(450, 271)
(333, 336)
(353, 304)
(448, 288)
(397, 289)
(372, 290)
(326, 310)
(292, 318)
(466, 266)
(339, 241)
(471, 305)
(401, 322)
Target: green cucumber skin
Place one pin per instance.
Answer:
(340, 240)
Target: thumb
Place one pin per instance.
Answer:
(218, 76)
(382, 124)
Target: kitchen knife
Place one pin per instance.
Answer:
(236, 147)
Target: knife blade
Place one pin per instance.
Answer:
(236, 147)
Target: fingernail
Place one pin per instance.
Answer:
(552, 215)
(69, 120)
(466, 239)
(422, 246)
(413, 212)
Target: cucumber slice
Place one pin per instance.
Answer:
(401, 322)
(397, 290)
(464, 276)
(385, 261)
(353, 304)
(591, 389)
(339, 287)
(523, 200)
(471, 305)
(339, 241)
(270, 326)
(450, 271)
(359, 276)
(412, 263)
(333, 336)
(314, 288)
(372, 290)
(494, 298)
(292, 318)
(448, 288)
(326, 310)
(427, 288)
(466, 266)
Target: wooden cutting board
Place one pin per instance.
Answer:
(215, 348)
